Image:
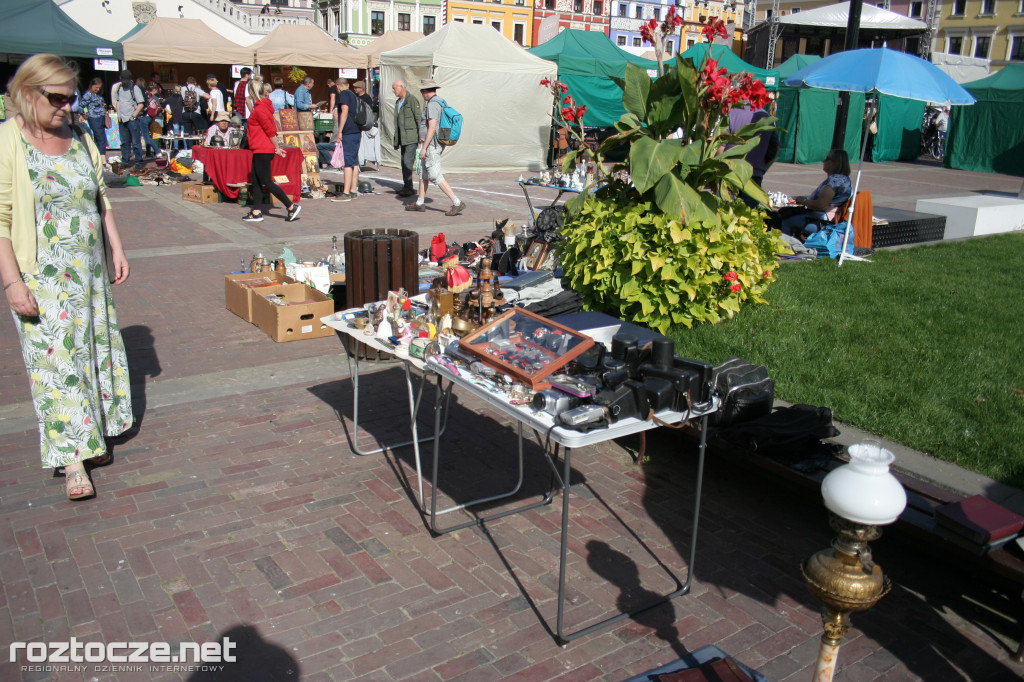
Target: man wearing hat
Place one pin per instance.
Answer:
(129, 100)
(221, 128)
(407, 133)
(430, 152)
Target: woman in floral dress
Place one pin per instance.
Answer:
(54, 278)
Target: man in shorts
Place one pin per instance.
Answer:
(430, 152)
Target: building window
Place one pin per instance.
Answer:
(959, 8)
(496, 25)
(429, 25)
(767, 15)
(988, 7)
(636, 42)
(577, 5)
(795, 10)
(518, 31)
(404, 23)
(689, 43)
(478, 22)
(639, 12)
(377, 23)
(657, 13)
(982, 44)
(956, 44)
(549, 4)
(1017, 49)
(669, 46)
(624, 8)
(459, 20)
(598, 7)
(621, 41)
(915, 9)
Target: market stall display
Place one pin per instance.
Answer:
(230, 169)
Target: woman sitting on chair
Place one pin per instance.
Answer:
(823, 202)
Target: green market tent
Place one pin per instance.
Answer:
(732, 63)
(34, 26)
(989, 135)
(808, 116)
(586, 62)
(794, 64)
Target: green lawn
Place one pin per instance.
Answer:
(922, 346)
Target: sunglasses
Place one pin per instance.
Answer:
(56, 99)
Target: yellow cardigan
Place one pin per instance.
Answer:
(17, 200)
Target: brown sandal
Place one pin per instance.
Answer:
(79, 480)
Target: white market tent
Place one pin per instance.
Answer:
(491, 81)
(391, 40)
(185, 41)
(961, 68)
(304, 45)
(837, 16)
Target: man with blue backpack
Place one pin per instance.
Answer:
(431, 146)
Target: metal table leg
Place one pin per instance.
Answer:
(683, 589)
(435, 512)
(414, 406)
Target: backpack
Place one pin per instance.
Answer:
(366, 117)
(189, 99)
(449, 128)
(153, 107)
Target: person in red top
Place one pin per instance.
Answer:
(263, 144)
(238, 99)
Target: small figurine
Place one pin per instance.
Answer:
(384, 330)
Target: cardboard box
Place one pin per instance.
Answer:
(298, 319)
(240, 289)
(199, 193)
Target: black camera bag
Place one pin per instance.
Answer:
(746, 392)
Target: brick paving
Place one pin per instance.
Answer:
(237, 509)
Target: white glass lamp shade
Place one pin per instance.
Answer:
(864, 491)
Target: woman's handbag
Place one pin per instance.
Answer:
(338, 157)
(106, 120)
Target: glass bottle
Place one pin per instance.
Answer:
(336, 260)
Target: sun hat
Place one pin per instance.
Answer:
(359, 84)
(222, 116)
(428, 84)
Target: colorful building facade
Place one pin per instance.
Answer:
(511, 18)
(627, 16)
(551, 16)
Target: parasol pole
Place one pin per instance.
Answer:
(856, 185)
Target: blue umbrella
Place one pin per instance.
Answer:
(874, 70)
(882, 70)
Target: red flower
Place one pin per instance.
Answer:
(580, 110)
(569, 115)
(714, 28)
(563, 87)
(568, 101)
(545, 82)
(731, 276)
(735, 288)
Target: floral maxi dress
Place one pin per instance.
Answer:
(74, 354)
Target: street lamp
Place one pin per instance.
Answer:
(860, 496)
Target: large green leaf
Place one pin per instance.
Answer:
(638, 87)
(650, 160)
(741, 170)
(669, 193)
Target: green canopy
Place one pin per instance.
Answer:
(34, 26)
(586, 61)
(794, 64)
(989, 134)
(808, 117)
(732, 63)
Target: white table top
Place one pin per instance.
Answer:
(535, 419)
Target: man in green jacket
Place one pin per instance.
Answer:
(407, 135)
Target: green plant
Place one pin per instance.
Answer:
(667, 239)
(296, 75)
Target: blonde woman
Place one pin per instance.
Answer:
(262, 134)
(216, 102)
(54, 217)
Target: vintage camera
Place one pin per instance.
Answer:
(571, 385)
(690, 379)
(626, 347)
(585, 418)
(629, 399)
(553, 401)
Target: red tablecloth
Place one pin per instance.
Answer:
(233, 166)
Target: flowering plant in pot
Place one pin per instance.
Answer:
(673, 243)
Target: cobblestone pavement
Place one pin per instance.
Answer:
(236, 508)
